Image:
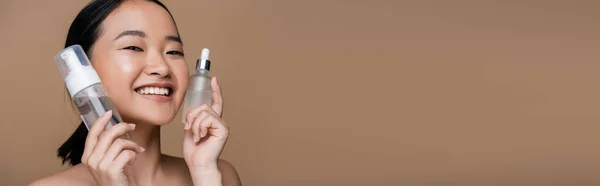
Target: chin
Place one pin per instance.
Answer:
(150, 118)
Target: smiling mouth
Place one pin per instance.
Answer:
(159, 91)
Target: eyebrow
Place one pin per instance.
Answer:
(142, 34)
(131, 33)
(174, 38)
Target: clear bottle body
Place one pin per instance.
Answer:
(92, 102)
(198, 92)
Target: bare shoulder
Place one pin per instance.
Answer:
(230, 175)
(228, 171)
(76, 175)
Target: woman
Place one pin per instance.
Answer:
(135, 45)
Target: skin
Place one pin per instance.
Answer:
(138, 46)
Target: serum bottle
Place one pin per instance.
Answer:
(199, 90)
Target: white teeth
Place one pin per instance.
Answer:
(153, 90)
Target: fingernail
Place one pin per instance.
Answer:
(196, 139)
(187, 126)
(108, 113)
(132, 126)
(143, 149)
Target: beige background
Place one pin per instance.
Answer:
(324, 92)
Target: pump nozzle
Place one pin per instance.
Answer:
(76, 69)
(70, 58)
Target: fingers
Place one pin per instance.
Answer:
(193, 114)
(217, 96)
(115, 149)
(105, 140)
(93, 133)
(124, 158)
(214, 126)
(209, 123)
(196, 127)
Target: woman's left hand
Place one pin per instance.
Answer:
(205, 133)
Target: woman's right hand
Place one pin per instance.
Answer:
(106, 155)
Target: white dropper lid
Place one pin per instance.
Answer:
(205, 53)
(203, 62)
(76, 69)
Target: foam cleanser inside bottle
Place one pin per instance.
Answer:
(84, 86)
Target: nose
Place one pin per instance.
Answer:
(157, 66)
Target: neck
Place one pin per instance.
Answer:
(147, 163)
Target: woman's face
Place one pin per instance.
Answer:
(139, 58)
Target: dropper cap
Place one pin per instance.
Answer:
(203, 62)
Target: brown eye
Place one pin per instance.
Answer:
(174, 52)
(134, 48)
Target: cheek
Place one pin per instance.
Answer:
(180, 73)
(125, 68)
(118, 73)
(125, 64)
